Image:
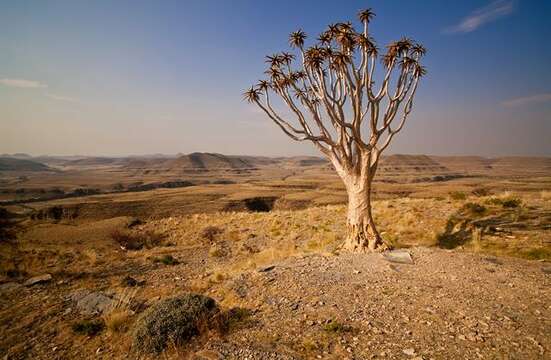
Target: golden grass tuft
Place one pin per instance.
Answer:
(118, 316)
(118, 320)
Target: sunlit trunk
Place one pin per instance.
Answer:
(362, 234)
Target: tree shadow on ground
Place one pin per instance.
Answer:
(456, 233)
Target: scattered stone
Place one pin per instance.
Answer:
(131, 282)
(267, 268)
(38, 280)
(398, 256)
(207, 355)
(409, 352)
(90, 302)
(494, 260)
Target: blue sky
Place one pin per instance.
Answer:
(134, 77)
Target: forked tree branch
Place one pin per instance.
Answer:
(332, 93)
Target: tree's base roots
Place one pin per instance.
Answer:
(355, 246)
(363, 239)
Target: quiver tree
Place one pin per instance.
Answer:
(333, 101)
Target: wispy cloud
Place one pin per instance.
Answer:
(522, 101)
(479, 17)
(22, 83)
(61, 97)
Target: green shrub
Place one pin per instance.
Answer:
(165, 259)
(511, 203)
(211, 232)
(458, 195)
(537, 254)
(508, 203)
(474, 208)
(494, 201)
(216, 251)
(175, 320)
(336, 327)
(234, 317)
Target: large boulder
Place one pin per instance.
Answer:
(175, 320)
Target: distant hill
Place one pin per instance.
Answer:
(208, 161)
(464, 163)
(95, 161)
(522, 162)
(14, 164)
(16, 156)
(407, 163)
(305, 161)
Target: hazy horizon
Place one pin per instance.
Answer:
(140, 77)
(250, 154)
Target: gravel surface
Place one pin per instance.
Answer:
(446, 305)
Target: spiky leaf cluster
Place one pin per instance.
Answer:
(338, 68)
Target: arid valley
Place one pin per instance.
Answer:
(275, 180)
(261, 235)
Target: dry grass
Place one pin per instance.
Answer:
(281, 234)
(118, 321)
(118, 316)
(132, 240)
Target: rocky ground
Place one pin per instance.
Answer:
(445, 305)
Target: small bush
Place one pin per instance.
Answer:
(309, 345)
(169, 260)
(210, 232)
(511, 203)
(88, 327)
(216, 251)
(494, 201)
(226, 321)
(165, 259)
(480, 191)
(474, 208)
(458, 195)
(507, 202)
(336, 327)
(135, 240)
(537, 254)
(175, 320)
(117, 320)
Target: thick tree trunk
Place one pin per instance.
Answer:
(362, 235)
